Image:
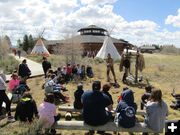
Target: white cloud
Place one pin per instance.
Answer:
(174, 20)
(19, 17)
(97, 2)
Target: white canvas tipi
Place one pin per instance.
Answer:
(108, 47)
(39, 48)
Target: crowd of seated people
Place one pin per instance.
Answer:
(96, 104)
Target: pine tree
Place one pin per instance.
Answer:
(19, 44)
(25, 44)
(31, 42)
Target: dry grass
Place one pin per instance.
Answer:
(161, 70)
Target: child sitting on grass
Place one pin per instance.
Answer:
(77, 94)
(105, 90)
(26, 108)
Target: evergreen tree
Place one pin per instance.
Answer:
(25, 44)
(19, 44)
(31, 42)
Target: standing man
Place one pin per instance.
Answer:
(24, 72)
(46, 65)
(110, 67)
(94, 104)
(19, 53)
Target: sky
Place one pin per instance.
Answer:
(137, 21)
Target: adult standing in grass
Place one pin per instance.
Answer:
(46, 65)
(4, 98)
(110, 67)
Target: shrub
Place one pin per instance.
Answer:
(33, 129)
(98, 60)
(170, 50)
(9, 64)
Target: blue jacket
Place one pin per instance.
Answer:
(127, 109)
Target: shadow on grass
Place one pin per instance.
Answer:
(5, 124)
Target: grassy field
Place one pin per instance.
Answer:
(9, 64)
(161, 70)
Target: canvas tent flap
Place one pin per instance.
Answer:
(108, 47)
(39, 48)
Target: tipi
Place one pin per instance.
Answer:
(108, 47)
(39, 48)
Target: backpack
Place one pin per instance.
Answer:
(129, 111)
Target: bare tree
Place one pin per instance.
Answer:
(71, 49)
(4, 51)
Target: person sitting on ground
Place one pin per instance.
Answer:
(119, 98)
(69, 72)
(156, 112)
(74, 73)
(13, 82)
(77, 94)
(17, 87)
(126, 109)
(83, 72)
(94, 104)
(89, 71)
(64, 73)
(51, 87)
(4, 98)
(79, 69)
(47, 113)
(105, 90)
(26, 109)
(145, 97)
(58, 71)
(24, 72)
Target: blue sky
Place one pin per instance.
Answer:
(154, 10)
(137, 21)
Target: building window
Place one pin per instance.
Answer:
(96, 31)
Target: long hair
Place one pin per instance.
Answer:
(156, 96)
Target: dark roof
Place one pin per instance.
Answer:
(91, 27)
(52, 42)
(91, 39)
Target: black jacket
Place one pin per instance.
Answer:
(25, 110)
(24, 70)
(77, 101)
(46, 65)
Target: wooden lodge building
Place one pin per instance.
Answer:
(91, 37)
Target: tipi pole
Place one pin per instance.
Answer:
(136, 66)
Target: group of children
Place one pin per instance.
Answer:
(26, 110)
(69, 73)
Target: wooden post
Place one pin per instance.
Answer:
(136, 66)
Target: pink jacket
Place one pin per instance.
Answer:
(47, 111)
(13, 83)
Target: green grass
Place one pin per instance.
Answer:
(161, 70)
(9, 64)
